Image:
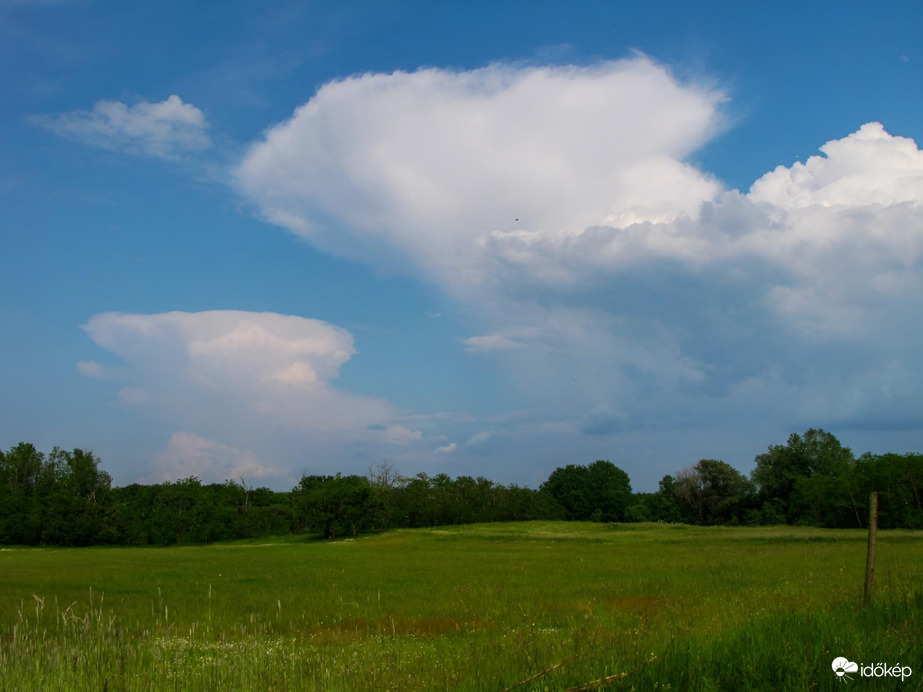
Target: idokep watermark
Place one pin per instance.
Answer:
(843, 666)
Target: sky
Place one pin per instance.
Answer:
(248, 241)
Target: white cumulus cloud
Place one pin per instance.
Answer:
(623, 285)
(254, 368)
(868, 167)
(428, 165)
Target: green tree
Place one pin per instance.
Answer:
(568, 486)
(336, 505)
(609, 491)
(898, 480)
(134, 513)
(76, 500)
(387, 486)
(712, 492)
(20, 475)
(600, 491)
(662, 505)
(807, 479)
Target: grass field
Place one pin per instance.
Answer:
(479, 607)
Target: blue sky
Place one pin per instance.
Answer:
(251, 240)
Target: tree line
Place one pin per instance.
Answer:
(65, 498)
(811, 480)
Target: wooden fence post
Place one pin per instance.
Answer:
(873, 538)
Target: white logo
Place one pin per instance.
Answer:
(841, 666)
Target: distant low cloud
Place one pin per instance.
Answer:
(168, 129)
(233, 380)
(188, 455)
(478, 439)
(398, 434)
(265, 367)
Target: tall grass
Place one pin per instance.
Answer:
(466, 608)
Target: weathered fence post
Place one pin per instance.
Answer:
(873, 538)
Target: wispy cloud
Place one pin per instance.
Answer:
(489, 342)
(90, 368)
(168, 129)
(479, 439)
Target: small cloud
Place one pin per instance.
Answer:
(447, 449)
(165, 130)
(904, 59)
(398, 434)
(479, 440)
(482, 443)
(226, 365)
(90, 368)
(211, 462)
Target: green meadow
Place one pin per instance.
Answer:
(480, 607)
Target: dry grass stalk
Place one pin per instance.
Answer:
(596, 684)
(539, 674)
